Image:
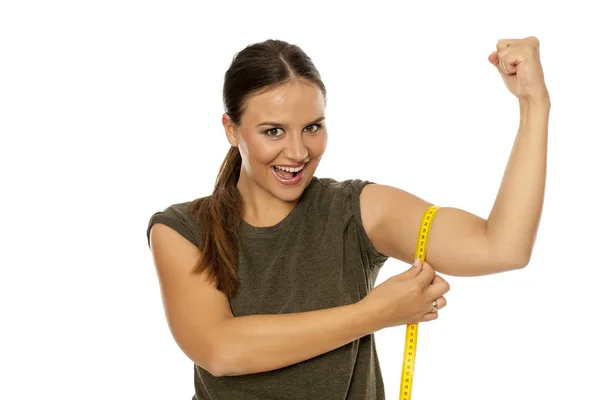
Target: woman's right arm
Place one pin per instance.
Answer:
(264, 342)
(202, 324)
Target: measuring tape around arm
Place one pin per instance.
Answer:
(412, 330)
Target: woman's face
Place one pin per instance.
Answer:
(281, 127)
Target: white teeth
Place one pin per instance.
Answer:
(290, 169)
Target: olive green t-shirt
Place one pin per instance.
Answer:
(319, 256)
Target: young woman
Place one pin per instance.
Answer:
(268, 282)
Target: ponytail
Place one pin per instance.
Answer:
(254, 69)
(220, 215)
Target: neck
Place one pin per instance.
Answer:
(260, 208)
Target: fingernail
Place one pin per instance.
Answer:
(417, 262)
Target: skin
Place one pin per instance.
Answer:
(293, 106)
(460, 243)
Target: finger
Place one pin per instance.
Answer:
(501, 61)
(438, 279)
(506, 64)
(506, 57)
(438, 289)
(493, 58)
(507, 61)
(430, 317)
(427, 274)
(441, 302)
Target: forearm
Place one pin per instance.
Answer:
(259, 343)
(513, 222)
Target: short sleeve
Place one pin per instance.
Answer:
(176, 219)
(355, 187)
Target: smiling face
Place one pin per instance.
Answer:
(281, 127)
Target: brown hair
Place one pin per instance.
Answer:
(255, 69)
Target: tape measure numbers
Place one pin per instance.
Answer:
(412, 330)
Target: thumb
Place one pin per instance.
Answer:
(428, 273)
(493, 59)
(417, 265)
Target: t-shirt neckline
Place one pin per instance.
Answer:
(251, 230)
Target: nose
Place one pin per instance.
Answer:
(295, 148)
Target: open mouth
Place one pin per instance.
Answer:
(289, 176)
(287, 173)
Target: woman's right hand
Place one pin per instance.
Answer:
(407, 298)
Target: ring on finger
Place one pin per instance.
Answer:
(434, 307)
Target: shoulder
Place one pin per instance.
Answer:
(351, 202)
(339, 187)
(345, 196)
(182, 217)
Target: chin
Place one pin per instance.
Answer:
(289, 193)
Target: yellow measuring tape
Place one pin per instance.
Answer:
(412, 330)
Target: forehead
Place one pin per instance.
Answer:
(294, 101)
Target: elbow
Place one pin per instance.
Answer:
(217, 363)
(217, 353)
(223, 361)
(223, 367)
(521, 262)
(217, 370)
(230, 363)
(213, 365)
(509, 259)
(208, 358)
(524, 263)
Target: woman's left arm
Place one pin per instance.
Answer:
(461, 243)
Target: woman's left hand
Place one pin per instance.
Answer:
(518, 61)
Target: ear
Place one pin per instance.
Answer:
(230, 130)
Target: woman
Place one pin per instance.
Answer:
(281, 303)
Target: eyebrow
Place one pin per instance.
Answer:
(270, 123)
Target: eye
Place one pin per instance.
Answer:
(314, 128)
(272, 132)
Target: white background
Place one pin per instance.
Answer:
(110, 111)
